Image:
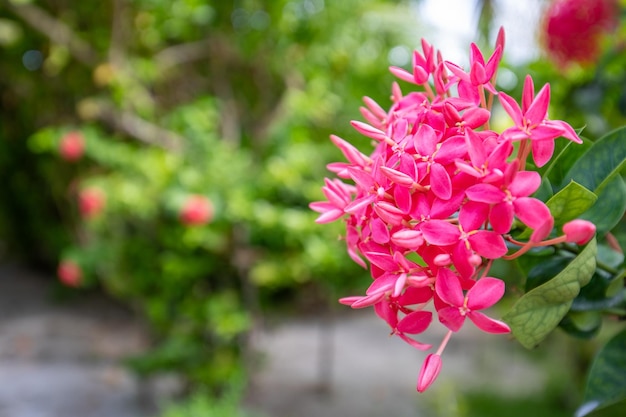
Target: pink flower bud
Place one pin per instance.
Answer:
(429, 372)
(197, 210)
(69, 273)
(72, 146)
(579, 231)
(91, 201)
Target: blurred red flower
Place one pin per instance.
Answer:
(72, 146)
(69, 273)
(572, 29)
(196, 210)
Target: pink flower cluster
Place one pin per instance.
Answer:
(432, 206)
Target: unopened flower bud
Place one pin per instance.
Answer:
(579, 231)
(429, 372)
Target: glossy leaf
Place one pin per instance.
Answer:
(570, 203)
(609, 208)
(606, 382)
(545, 270)
(540, 310)
(598, 170)
(583, 325)
(566, 153)
(602, 162)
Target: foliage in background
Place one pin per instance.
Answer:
(115, 114)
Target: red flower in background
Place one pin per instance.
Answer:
(91, 201)
(197, 210)
(72, 146)
(69, 273)
(572, 29)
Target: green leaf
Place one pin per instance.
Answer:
(606, 382)
(601, 163)
(540, 310)
(545, 270)
(566, 154)
(598, 170)
(570, 202)
(582, 324)
(609, 208)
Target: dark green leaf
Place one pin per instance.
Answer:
(610, 206)
(606, 382)
(601, 163)
(566, 154)
(540, 310)
(583, 325)
(545, 270)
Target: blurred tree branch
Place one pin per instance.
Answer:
(121, 120)
(56, 30)
(130, 124)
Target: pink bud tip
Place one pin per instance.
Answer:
(429, 372)
(579, 231)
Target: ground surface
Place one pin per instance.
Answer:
(63, 359)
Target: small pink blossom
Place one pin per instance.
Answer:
(484, 294)
(531, 122)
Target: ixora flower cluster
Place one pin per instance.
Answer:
(434, 203)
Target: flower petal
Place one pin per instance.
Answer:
(440, 232)
(448, 288)
(488, 244)
(487, 324)
(415, 322)
(485, 293)
(451, 318)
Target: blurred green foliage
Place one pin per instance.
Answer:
(233, 101)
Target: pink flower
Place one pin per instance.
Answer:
(531, 122)
(72, 146)
(197, 210)
(91, 202)
(484, 294)
(69, 273)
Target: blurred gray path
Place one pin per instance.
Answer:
(64, 360)
(352, 368)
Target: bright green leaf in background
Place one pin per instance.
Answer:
(606, 383)
(540, 310)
